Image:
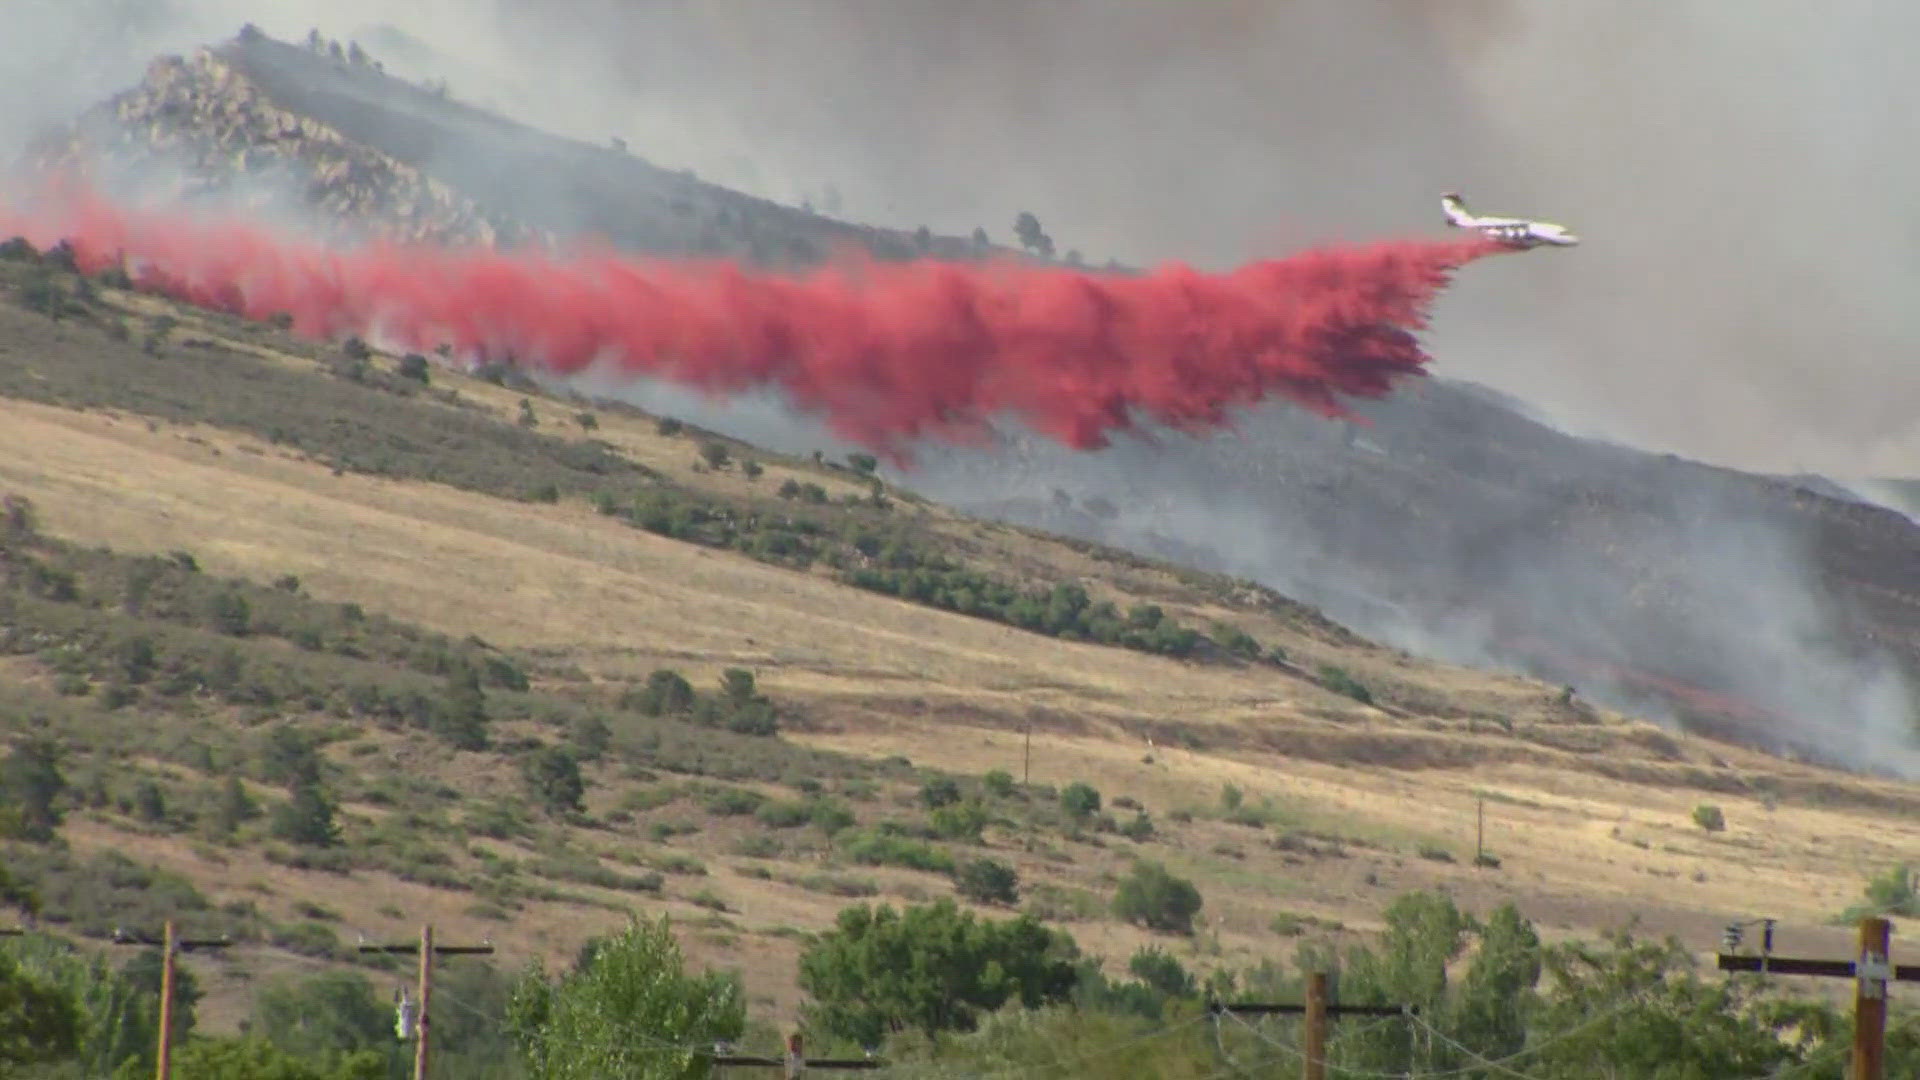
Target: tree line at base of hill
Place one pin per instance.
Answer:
(935, 989)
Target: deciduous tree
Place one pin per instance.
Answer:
(628, 1008)
(930, 967)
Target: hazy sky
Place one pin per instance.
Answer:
(1738, 170)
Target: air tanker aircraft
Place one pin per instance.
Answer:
(1518, 232)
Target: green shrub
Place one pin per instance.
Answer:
(1236, 641)
(939, 792)
(680, 865)
(97, 894)
(1153, 898)
(1080, 801)
(586, 870)
(836, 885)
(733, 802)
(1340, 682)
(963, 821)
(1139, 829)
(829, 816)
(667, 692)
(1060, 903)
(1709, 817)
(759, 846)
(307, 939)
(872, 847)
(987, 881)
(497, 821)
(782, 814)
(553, 775)
(307, 817)
(1896, 892)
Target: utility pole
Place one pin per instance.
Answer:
(425, 990)
(1316, 1010)
(1870, 1000)
(1479, 831)
(1026, 764)
(165, 1054)
(1870, 972)
(170, 944)
(426, 950)
(1316, 1027)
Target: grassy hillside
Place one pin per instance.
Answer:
(249, 579)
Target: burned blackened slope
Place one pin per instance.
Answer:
(1455, 525)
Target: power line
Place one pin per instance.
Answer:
(1316, 1009)
(796, 1062)
(1082, 1060)
(1584, 1025)
(1870, 972)
(426, 950)
(1450, 1041)
(170, 944)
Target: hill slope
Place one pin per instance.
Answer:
(238, 552)
(376, 154)
(1752, 607)
(1779, 613)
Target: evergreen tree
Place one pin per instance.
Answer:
(307, 817)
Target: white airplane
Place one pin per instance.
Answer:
(1518, 232)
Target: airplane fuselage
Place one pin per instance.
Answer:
(1518, 232)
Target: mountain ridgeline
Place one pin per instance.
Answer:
(1785, 614)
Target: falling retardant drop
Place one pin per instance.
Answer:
(888, 353)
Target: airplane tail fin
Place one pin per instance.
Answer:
(1455, 209)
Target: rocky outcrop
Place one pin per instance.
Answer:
(324, 134)
(203, 126)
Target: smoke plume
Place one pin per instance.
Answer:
(889, 352)
(1739, 170)
(1714, 268)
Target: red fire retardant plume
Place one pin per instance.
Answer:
(888, 352)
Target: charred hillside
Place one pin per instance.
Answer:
(1746, 605)
(1776, 612)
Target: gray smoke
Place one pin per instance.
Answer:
(1737, 171)
(1740, 171)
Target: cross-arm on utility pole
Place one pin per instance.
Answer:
(426, 950)
(1317, 1009)
(1870, 971)
(170, 944)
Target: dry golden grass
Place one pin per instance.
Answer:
(559, 577)
(1581, 850)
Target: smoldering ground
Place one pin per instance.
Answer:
(1456, 530)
